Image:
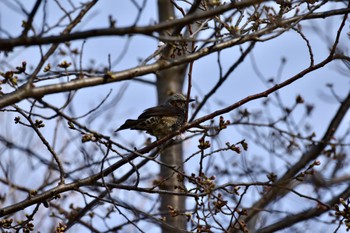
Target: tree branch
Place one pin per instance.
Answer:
(91, 179)
(9, 44)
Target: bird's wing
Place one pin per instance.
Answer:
(159, 111)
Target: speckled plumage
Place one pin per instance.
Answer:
(161, 120)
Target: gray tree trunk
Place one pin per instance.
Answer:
(168, 82)
(173, 157)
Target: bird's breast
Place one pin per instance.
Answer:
(166, 125)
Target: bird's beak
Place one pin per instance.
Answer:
(191, 100)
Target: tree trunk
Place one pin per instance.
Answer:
(168, 82)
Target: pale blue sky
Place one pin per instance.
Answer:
(241, 83)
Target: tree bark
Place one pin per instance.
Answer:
(168, 82)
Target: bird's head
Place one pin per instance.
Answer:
(178, 101)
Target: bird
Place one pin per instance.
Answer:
(161, 120)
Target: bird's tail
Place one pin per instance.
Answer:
(129, 124)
